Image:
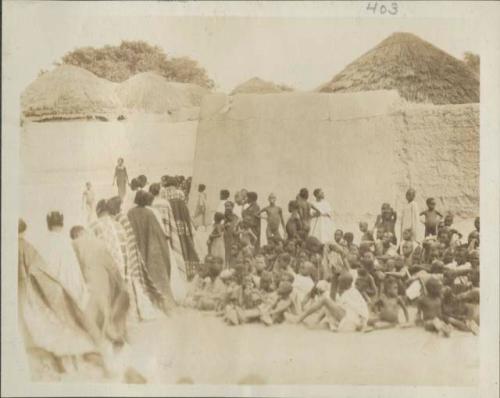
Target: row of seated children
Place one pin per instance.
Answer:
(295, 278)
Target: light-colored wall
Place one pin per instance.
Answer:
(363, 149)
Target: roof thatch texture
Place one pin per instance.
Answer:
(419, 71)
(151, 93)
(68, 92)
(256, 85)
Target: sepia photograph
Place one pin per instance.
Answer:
(245, 199)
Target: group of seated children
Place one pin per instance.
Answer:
(375, 284)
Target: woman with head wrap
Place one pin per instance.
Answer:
(153, 245)
(146, 298)
(106, 229)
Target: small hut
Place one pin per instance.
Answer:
(151, 93)
(256, 85)
(69, 92)
(419, 71)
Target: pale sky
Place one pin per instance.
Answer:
(301, 52)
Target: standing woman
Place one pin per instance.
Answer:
(153, 246)
(121, 178)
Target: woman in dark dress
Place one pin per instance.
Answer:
(153, 246)
(121, 178)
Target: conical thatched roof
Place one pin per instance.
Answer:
(68, 91)
(256, 85)
(151, 93)
(419, 71)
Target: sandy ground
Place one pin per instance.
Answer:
(199, 348)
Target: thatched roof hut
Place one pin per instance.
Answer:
(151, 93)
(256, 85)
(419, 71)
(68, 92)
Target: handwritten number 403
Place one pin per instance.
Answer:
(382, 9)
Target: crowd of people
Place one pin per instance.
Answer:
(261, 269)
(79, 292)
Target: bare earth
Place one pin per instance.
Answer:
(199, 348)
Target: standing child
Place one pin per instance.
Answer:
(251, 213)
(432, 218)
(88, 202)
(274, 218)
(215, 242)
(294, 225)
(201, 206)
(224, 197)
(409, 215)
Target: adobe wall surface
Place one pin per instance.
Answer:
(282, 142)
(439, 149)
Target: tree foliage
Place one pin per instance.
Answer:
(472, 61)
(118, 63)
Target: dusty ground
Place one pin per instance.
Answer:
(199, 348)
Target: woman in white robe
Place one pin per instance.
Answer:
(322, 224)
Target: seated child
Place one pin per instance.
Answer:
(429, 309)
(338, 237)
(388, 247)
(197, 284)
(348, 313)
(246, 235)
(214, 289)
(351, 247)
(282, 264)
(379, 244)
(303, 282)
(283, 305)
(367, 235)
(366, 285)
(387, 306)
(456, 312)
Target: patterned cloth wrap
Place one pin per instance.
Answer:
(183, 228)
(136, 267)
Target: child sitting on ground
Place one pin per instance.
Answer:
(429, 309)
(367, 235)
(348, 313)
(387, 307)
(283, 305)
(366, 285)
(303, 283)
(213, 289)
